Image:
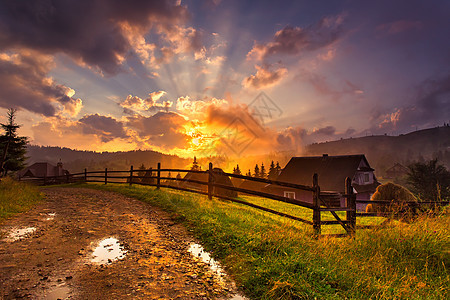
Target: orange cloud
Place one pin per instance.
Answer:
(264, 77)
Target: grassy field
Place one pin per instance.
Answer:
(272, 257)
(16, 197)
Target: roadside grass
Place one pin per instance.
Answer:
(272, 257)
(16, 197)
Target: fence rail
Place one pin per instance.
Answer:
(207, 183)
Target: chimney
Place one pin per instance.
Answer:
(325, 155)
(59, 168)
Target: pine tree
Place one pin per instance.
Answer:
(142, 170)
(262, 172)
(12, 147)
(278, 168)
(237, 171)
(256, 174)
(249, 173)
(195, 166)
(272, 171)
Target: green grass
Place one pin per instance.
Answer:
(272, 257)
(16, 197)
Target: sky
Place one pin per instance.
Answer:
(211, 77)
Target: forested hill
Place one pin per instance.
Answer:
(384, 151)
(76, 161)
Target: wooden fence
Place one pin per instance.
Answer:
(210, 187)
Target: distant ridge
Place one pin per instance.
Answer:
(77, 160)
(384, 151)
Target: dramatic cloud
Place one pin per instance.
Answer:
(24, 83)
(264, 77)
(106, 128)
(328, 131)
(164, 130)
(295, 40)
(431, 106)
(196, 109)
(86, 30)
(291, 138)
(94, 132)
(134, 103)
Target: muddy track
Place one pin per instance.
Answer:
(55, 260)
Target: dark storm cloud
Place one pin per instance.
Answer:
(106, 128)
(294, 40)
(432, 106)
(328, 130)
(88, 30)
(24, 84)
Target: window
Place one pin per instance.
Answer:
(366, 177)
(289, 194)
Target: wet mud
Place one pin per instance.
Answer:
(88, 244)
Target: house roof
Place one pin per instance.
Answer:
(41, 169)
(253, 185)
(332, 170)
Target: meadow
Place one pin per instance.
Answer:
(271, 257)
(16, 197)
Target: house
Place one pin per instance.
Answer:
(396, 171)
(43, 169)
(219, 177)
(332, 172)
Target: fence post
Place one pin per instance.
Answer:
(316, 203)
(210, 181)
(131, 175)
(106, 175)
(85, 175)
(351, 204)
(158, 178)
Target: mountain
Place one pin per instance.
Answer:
(384, 151)
(76, 161)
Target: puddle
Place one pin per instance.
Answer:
(60, 292)
(107, 251)
(197, 251)
(50, 216)
(16, 234)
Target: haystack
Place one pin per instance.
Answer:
(398, 195)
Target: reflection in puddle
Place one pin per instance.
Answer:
(197, 251)
(19, 233)
(107, 251)
(59, 292)
(50, 216)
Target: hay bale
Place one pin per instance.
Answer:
(398, 195)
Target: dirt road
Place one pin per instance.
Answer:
(58, 258)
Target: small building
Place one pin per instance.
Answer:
(332, 172)
(43, 169)
(220, 178)
(396, 171)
